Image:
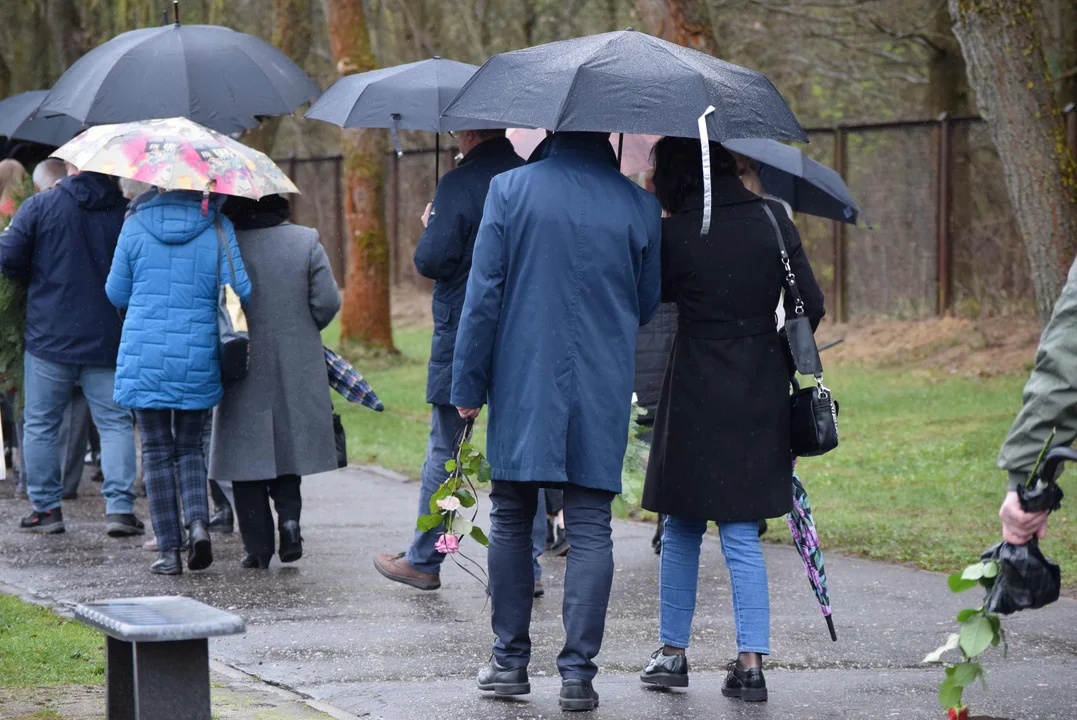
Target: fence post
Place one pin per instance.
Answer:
(841, 310)
(1071, 128)
(944, 250)
(342, 222)
(394, 217)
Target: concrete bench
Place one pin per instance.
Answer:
(157, 656)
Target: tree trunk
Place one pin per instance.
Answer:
(365, 316)
(690, 25)
(1002, 50)
(292, 36)
(68, 37)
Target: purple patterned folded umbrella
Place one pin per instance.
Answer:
(802, 525)
(347, 381)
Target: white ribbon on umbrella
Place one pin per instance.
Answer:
(705, 151)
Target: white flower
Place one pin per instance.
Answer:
(451, 503)
(635, 398)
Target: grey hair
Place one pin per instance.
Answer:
(133, 188)
(48, 172)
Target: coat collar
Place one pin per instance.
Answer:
(583, 144)
(493, 147)
(727, 189)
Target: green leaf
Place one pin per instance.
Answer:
(950, 644)
(461, 526)
(442, 492)
(976, 635)
(967, 613)
(965, 674)
(949, 694)
(466, 499)
(479, 536)
(450, 465)
(973, 572)
(429, 522)
(958, 584)
(485, 471)
(990, 569)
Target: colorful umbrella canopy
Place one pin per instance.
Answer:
(806, 539)
(176, 154)
(17, 120)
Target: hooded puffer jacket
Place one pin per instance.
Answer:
(165, 274)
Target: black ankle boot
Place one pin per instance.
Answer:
(168, 563)
(291, 542)
(746, 683)
(504, 681)
(252, 561)
(578, 696)
(223, 521)
(199, 547)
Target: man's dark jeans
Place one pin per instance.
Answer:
(588, 577)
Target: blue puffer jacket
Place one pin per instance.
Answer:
(165, 274)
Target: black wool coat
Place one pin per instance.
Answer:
(721, 441)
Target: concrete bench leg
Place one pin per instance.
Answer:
(119, 680)
(172, 680)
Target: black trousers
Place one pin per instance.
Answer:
(253, 513)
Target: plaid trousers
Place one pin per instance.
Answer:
(171, 453)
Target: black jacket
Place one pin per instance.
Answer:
(444, 250)
(721, 440)
(653, 344)
(63, 240)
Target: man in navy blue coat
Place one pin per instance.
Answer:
(62, 242)
(444, 255)
(567, 266)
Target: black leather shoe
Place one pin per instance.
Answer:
(168, 563)
(747, 684)
(578, 696)
(255, 562)
(504, 681)
(291, 542)
(50, 522)
(223, 521)
(199, 547)
(666, 670)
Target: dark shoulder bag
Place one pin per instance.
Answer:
(814, 411)
(233, 340)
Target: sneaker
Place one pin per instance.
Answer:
(50, 522)
(503, 681)
(578, 696)
(748, 684)
(398, 569)
(123, 525)
(666, 670)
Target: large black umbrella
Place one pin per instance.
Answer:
(808, 186)
(17, 123)
(625, 82)
(212, 75)
(403, 97)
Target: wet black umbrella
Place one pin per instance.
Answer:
(808, 186)
(403, 97)
(16, 121)
(212, 75)
(625, 82)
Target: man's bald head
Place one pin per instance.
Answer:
(47, 173)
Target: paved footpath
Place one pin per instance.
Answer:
(332, 629)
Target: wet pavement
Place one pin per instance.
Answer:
(331, 628)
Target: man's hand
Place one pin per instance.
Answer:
(1018, 526)
(426, 213)
(468, 413)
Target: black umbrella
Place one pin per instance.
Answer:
(17, 123)
(212, 75)
(403, 97)
(625, 82)
(808, 186)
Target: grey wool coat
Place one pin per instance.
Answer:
(278, 420)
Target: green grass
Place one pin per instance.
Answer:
(40, 648)
(913, 481)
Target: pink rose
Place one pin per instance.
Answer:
(447, 544)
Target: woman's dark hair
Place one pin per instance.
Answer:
(678, 169)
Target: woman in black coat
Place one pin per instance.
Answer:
(721, 440)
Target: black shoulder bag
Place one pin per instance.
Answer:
(814, 411)
(233, 339)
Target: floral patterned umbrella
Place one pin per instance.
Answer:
(806, 539)
(176, 154)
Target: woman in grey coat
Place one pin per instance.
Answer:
(276, 424)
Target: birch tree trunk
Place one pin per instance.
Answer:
(365, 316)
(1001, 44)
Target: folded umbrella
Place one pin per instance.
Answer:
(808, 186)
(17, 120)
(347, 381)
(806, 539)
(213, 75)
(177, 154)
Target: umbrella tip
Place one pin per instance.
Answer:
(437, 57)
(175, 10)
(630, 29)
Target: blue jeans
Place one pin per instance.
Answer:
(679, 577)
(445, 426)
(588, 574)
(48, 393)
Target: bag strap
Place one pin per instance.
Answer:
(790, 277)
(222, 243)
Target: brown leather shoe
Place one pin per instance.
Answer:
(398, 569)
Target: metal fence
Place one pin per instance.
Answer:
(943, 236)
